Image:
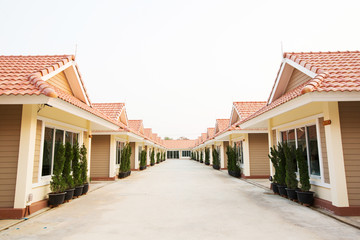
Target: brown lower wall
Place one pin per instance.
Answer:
(340, 211)
(17, 213)
(255, 176)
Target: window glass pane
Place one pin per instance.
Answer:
(118, 152)
(301, 140)
(313, 151)
(68, 137)
(139, 153)
(284, 136)
(59, 136)
(48, 151)
(291, 137)
(75, 138)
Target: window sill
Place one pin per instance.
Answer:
(41, 183)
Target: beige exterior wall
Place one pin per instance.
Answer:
(258, 152)
(37, 151)
(350, 133)
(100, 156)
(10, 124)
(297, 78)
(60, 81)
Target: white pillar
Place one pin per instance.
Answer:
(339, 194)
(211, 155)
(26, 155)
(136, 155)
(222, 155)
(112, 160)
(246, 152)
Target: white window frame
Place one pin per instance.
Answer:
(310, 121)
(45, 180)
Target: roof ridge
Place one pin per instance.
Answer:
(328, 52)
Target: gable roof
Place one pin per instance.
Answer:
(333, 71)
(179, 144)
(245, 109)
(148, 132)
(112, 110)
(221, 124)
(135, 124)
(210, 132)
(203, 137)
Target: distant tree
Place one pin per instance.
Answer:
(183, 138)
(168, 138)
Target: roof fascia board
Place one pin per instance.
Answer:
(109, 133)
(24, 99)
(57, 71)
(67, 107)
(294, 65)
(303, 100)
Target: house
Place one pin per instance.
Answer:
(108, 145)
(179, 149)
(315, 105)
(251, 144)
(43, 101)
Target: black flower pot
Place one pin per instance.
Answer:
(152, 164)
(234, 173)
(282, 190)
(217, 167)
(129, 173)
(201, 161)
(291, 193)
(55, 199)
(142, 167)
(305, 198)
(78, 191)
(207, 163)
(275, 188)
(122, 175)
(85, 189)
(69, 193)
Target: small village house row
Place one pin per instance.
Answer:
(179, 149)
(251, 144)
(43, 101)
(315, 105)
(108, 145)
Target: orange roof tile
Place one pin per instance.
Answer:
(135, 124)
(336, 72)
(245, 109)
(210, 132)
(179, 144)
(148, 132)
(112, 110)
(222, 124)
(203, 137)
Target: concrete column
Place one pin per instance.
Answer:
(88, 147)
(271, 143)
(211, 156)
(136, 152)
(339, 194)
(246, 152)
(222, 155)
(26, 156)
(147, 155)
(112, 160)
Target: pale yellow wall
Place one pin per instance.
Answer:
(60, 81)
(63, 117)
(37, 151)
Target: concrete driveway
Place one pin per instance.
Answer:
(181, 199)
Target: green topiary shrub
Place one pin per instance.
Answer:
(290, 176)
(76, 168)
(216, 159)
(303, 170)
(158, 157)
(58, 183)
(143, 158)
(67, 166)
(282, 164)
(201, 157)
(152, 157)
(274, 158)
(84, 164)
(207, 156)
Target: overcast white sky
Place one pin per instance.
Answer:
(178, 65)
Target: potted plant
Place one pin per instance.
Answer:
(128, 159)
(304, 196)
(290, 177)
(274, 158)
(164, 156)
(84, 169)
(201, 157)
(124, 169)
(282, 169)
(216, 160)
(207, 156)
(143, 160)
(77, 171)
(233, 169)
(70, 186)
(152, 157)
(57, 183)
(157, 157)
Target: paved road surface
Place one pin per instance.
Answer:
(181, 199)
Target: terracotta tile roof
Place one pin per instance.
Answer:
(210, 132)
(245, 109)
(222, 124)
(135, 125)
(203, 137)
(179, 144)
(112, 110)
(148, 132)
(336, 72)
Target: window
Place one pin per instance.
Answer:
(239, 151)
(51, 137)
(305, 138)
(185, 153)
(172, 154)
(119, 149)
(139, 153)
